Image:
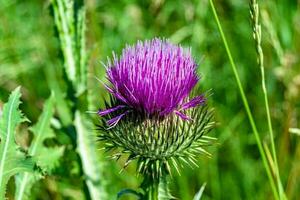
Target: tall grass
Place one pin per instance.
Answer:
(257, 36)
(254, 12)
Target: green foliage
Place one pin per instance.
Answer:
(254, 13)
(12, 159)
(31, 56)
(70, 22)
(45, 157)
(245, 101)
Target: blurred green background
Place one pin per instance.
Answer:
(30, 56)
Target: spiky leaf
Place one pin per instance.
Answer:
(70, 22)
(12, 159)
(47, 158)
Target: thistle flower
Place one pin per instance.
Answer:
(150, 115)
(152, 78)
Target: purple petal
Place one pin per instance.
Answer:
(110, 110)
(199, 100)
(106, 86)
(153, 76)
(182, 116)
(114, 121)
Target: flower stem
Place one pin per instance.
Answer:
(152, 190)
(156, 188)
(245, 102)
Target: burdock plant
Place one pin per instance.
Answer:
(150, 116)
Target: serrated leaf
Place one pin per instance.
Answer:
(46, 158)
(71, 31)
(12, 159)
(63, 15)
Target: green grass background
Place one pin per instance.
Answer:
(30, 56)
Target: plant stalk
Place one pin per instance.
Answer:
(69, 18)
(156, 188)
(245, 102)
(152, 190)
(254, 11)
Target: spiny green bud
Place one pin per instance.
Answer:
(157, 143)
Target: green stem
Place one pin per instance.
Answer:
(245, 102)
(254, 10)
(156, 188)
(152, 191)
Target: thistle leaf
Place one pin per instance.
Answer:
(12, 159)
(69, 18)
(63, 15)
(46, 158)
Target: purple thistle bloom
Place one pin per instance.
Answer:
(154, 78)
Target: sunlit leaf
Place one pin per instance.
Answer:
(12, 159)
(46, 157)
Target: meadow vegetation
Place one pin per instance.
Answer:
(53, 50)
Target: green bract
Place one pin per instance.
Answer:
(159, 143)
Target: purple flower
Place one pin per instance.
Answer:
(153, 77)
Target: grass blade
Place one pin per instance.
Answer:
(254, 11)
(245, 102)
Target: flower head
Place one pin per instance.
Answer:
(148, 114)
(153, 78)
